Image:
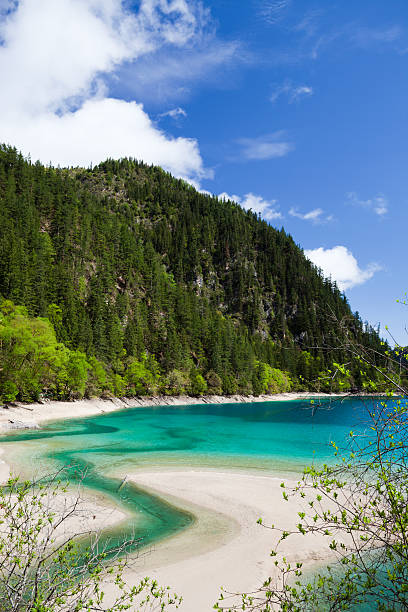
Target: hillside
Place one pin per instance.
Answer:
(123, 280)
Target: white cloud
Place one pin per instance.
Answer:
(380, 205)
(293, 92)
(342, 266)
(364, 36)
(316, 34)
(206, 192)
(354, 35)
(274, 10)
(309, 23)
(6, 6)
(302, 90)
(250, 201)
(316, 215)
(313, 215)
(377, 204)
(55, 58)
(164, 75)
(105, 128)
(174, 113)
(265, 147)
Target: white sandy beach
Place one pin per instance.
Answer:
(93, 513)
(20, 416)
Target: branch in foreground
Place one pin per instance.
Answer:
(44, 567)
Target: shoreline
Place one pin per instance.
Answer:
(225, 546)
(20, 415)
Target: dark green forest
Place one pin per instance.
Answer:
(122, 280)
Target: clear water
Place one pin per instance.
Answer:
(273, 436)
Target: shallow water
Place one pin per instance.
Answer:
(280, 437)
(273, 436)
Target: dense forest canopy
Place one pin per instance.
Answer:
(121, 279)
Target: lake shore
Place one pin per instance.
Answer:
(19, 415)
(225, 546)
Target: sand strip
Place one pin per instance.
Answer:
(226, 547)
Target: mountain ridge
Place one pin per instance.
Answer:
(162, 288)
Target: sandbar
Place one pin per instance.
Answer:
(226, 547)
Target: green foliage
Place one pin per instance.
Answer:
(214, 383)
(9, 391)
(97, 381)
(176, 383)
(141, 376)
(31, 358)
(43, 570)
(272, 380)
(74, 375)
(198, 385)
(124, 260)
(33, 363)
(229, 384)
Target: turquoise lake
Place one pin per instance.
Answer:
(280, 437)
(276, 437)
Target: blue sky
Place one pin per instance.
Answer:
(296, 108)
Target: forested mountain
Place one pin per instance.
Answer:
(122, 280)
